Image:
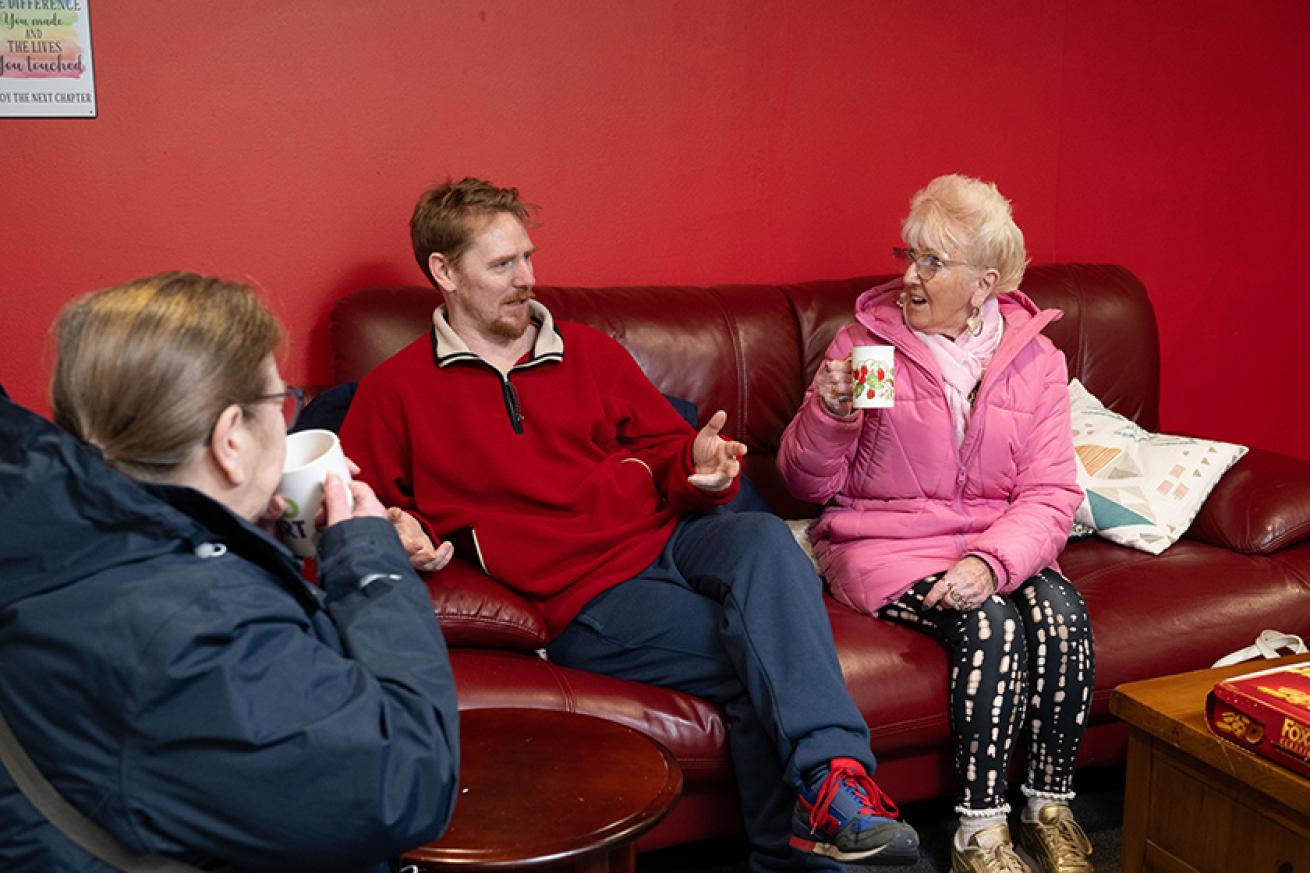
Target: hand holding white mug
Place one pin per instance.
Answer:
(834, 386)
(346, 500)
(311, 456)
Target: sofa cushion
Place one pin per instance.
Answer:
(1141, 489)
(476, 610)
(1246, 515)
(897, 678)
(1181, 610)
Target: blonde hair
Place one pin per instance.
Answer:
(963, 218)
(144, 370)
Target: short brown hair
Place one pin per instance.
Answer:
(143, 370)
(446, 217)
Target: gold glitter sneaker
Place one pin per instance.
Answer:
(988, 851)
(1055, 841)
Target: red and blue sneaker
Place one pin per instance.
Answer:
(843, 814)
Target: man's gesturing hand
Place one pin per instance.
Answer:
(717, 460)
(423, 556)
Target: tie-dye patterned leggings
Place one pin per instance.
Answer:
(1028, 650)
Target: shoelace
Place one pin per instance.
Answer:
(1071, 840)
(1005, 859)
(861, 784)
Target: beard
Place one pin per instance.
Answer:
(511, 327)
(508, 328)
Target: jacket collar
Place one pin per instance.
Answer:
(67, 515)
(877, 311)
(449, 348)
(220, 524)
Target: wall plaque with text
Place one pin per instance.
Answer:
(45, 59)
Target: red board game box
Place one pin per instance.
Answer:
(1268, 712)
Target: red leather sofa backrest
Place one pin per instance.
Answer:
(751, 349)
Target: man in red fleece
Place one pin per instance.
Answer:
(582, 489)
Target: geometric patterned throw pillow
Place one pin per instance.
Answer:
(1141, 489)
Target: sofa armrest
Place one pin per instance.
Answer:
(1259, 506)
(475, 610)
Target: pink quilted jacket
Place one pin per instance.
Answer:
(900, 501)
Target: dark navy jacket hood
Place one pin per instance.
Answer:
(66, 515)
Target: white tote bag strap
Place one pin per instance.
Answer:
(1267, 645)
(1274, 641)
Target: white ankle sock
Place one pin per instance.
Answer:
(1035, 805)
(972, 824)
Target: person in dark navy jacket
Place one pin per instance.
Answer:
(161, 659)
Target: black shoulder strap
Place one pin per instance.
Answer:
(71, 823)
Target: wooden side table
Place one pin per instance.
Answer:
(1195, 804)
(546, 790)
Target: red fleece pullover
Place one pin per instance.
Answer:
(571, 473)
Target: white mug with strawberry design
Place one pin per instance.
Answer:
(873, 370)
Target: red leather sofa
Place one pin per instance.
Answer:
(751, 349)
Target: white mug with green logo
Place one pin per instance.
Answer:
(311, 455)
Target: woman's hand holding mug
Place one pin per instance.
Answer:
(834, 387)
(337, 497)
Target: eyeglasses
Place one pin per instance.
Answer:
(293, 400)
(927, 265)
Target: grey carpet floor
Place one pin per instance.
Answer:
(1098, 808)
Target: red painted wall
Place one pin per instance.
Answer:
(689, 141)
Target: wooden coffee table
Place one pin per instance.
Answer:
(1195, 803)
(546, 790)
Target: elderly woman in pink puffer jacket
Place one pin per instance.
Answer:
(946, 511)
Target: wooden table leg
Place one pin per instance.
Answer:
(1137, 802)
(622, 859)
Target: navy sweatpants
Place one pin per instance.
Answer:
(732, 612)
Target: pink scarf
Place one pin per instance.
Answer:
(962, 361)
